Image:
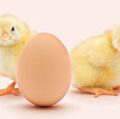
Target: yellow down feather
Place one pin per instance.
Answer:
(9, 54)
(96, 61)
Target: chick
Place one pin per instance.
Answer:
(96, 64)
(13, 35)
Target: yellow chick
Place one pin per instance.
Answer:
(96, 64)
(13, 35)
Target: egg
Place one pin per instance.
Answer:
(44, 70)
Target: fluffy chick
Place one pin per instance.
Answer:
(13, 35)
(96, 64)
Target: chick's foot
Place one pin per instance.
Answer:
(98, 91)
(10, 90)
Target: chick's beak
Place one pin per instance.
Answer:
(5, 36)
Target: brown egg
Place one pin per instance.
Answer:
(44, 70)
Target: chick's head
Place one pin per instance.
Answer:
(11, 30)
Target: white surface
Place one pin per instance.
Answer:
(73, 106)
(71, 21)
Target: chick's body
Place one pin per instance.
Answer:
(96, 63)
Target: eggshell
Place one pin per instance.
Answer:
(44, 70)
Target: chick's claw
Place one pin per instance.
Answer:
(117, 88)
(97, 91)
(15, 91)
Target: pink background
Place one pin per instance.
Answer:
(72, 21)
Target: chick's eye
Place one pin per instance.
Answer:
(13, 29)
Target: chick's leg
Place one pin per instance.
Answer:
(10, 90)
(97, 91)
